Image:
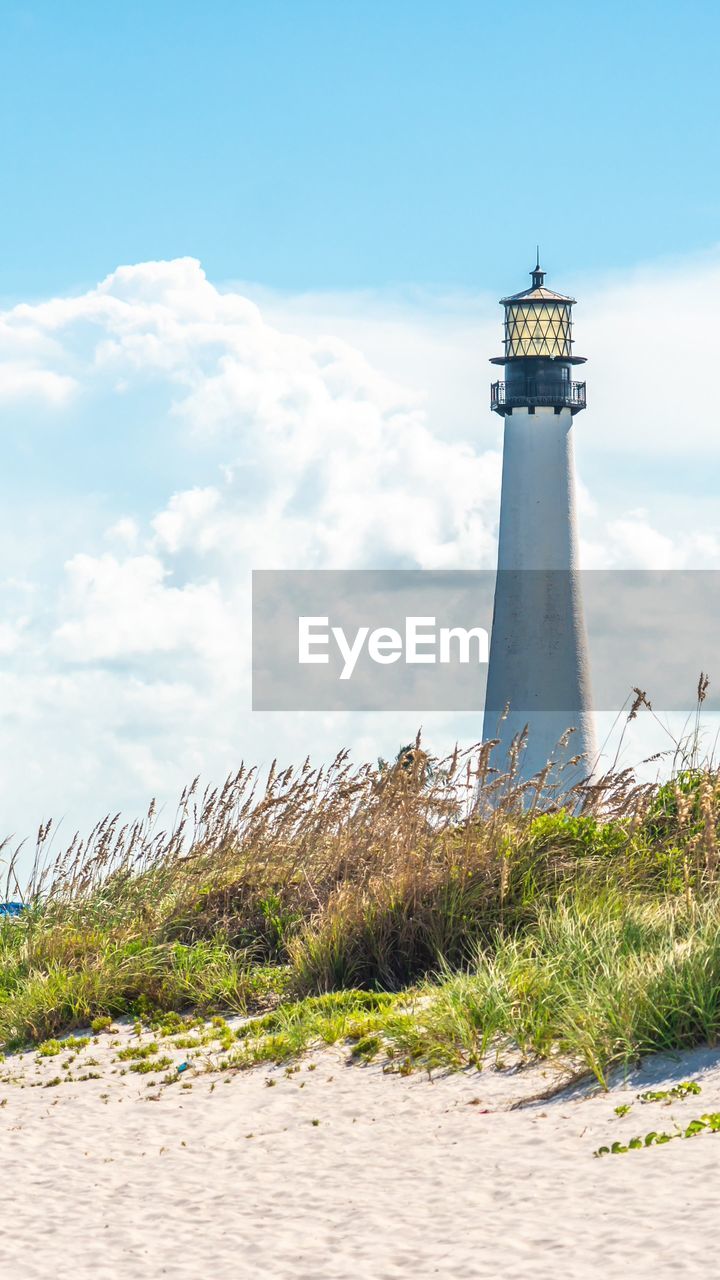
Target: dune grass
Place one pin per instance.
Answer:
(600, 981)
(419, 913)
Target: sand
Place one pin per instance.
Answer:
(343, 1171)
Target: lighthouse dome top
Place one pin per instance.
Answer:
(538, 291)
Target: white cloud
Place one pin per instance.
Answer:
(323, 432)
(635, 543)
(11, 636)
(125, 531)
(27, 381)
(188, 521)
(123, 608)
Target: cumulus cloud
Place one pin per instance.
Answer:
(19, 381)
(209, 432)
(122, 608)
(125, 531)
(251, 445)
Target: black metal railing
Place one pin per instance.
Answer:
(531, 391)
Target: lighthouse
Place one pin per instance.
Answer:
(538, 675)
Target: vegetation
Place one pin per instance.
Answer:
(422, 912)
(707, 1123)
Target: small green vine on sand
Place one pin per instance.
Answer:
(679, 1091)
(709, 1123)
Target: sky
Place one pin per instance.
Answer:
(252, 256)
(307, 144)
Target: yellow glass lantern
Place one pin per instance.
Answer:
(538, 352)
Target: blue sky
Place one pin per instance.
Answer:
(306, 144)
(248, 289)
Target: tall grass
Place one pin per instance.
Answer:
(584, 920)
(601, 981)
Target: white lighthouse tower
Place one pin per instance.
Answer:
(538, 650)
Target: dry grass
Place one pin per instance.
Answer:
(319, 880)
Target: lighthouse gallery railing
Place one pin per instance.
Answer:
(529, 391)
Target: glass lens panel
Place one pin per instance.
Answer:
(537, 329)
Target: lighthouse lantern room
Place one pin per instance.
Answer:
(538, 355)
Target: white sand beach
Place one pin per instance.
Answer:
(342, 1171)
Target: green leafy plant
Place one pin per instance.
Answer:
(50, 1048)
(708, 1123)
(146, 1065)
(686, 1089)
(138, 1051)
